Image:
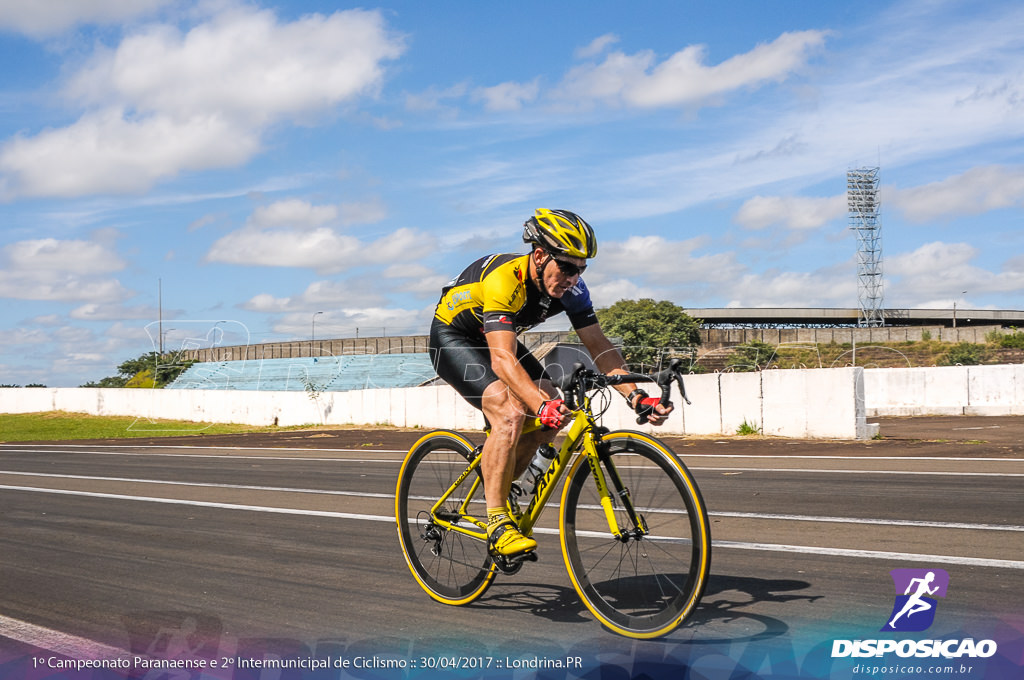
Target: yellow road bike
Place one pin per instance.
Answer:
(633, 526)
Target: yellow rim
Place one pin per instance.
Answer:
(705, 553)
(398, 521)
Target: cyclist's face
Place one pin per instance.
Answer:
(559, 274)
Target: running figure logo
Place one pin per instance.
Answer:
(914, 609)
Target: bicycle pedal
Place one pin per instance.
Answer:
(511, 565)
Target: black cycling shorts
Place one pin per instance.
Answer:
(465, 363)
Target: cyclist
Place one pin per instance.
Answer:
(474, 347)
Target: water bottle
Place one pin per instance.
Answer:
(538, 466)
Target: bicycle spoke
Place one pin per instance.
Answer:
(642, 584)
(461, 570)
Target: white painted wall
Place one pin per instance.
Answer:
(947, 390)
(824, 403)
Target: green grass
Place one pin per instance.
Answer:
(747, 429)
(59, 425)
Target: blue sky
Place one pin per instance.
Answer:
(267, 161)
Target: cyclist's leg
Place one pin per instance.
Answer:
(465, 364)
(506, 414)
(529, 441)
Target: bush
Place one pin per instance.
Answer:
(963, 354)
(751, 356)
(1009, 340)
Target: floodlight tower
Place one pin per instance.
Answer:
(863, 208)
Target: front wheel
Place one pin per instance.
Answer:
(452, 567)
(649, 579)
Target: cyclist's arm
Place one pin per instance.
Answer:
(608, 360)
(502, 345)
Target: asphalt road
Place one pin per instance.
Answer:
(286, 544)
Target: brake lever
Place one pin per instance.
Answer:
(682, 388)
(570, 384)
(664, 380)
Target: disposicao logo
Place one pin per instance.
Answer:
(916, 590)
(914, 611)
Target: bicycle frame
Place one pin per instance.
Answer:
(579, 438)
(641, 575)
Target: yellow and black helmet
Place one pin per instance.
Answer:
(560, 232)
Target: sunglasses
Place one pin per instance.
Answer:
(568, 268)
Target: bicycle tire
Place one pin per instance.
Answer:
(453, 568)
(646, 587)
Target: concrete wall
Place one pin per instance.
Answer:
(716, 338)
(711, 339)
(399, 344)
(824, 403)
(948, 390)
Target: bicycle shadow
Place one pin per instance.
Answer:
(727, 600)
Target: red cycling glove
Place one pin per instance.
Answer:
(550, 413)
(645, 404)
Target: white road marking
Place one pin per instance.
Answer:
(366, 494)
(771, 547)
(64, 644)
(860, 472)
(204, 504)
(76, 448)
(691, 467)
(873, 554)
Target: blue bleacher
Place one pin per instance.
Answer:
(320, 374)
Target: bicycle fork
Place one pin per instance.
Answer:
(598, 453)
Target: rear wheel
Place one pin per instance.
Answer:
(646, 582)
(453, 568)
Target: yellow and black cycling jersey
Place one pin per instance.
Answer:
(494, 293)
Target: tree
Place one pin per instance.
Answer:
(650, 331)
(147, 370)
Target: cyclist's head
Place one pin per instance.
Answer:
(560, 232)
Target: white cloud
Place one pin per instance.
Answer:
(51, 269)
(597, 46)
(298, 214)
(607, 293)
(318, 296)
(790, 211)
(166, 101)
(108, 151)
(639, 81)
(112, 312)
(508, 96)
(366, 321)
(363, 212)
(321, 249)
(244, 64)
(41, 18)
(293, 213)
(54, 256)
(665, 262)
(976, 191)
(432, 99)
(940, 270)
(23, 336)
(830, 287)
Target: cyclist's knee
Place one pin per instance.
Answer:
(504, 412)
